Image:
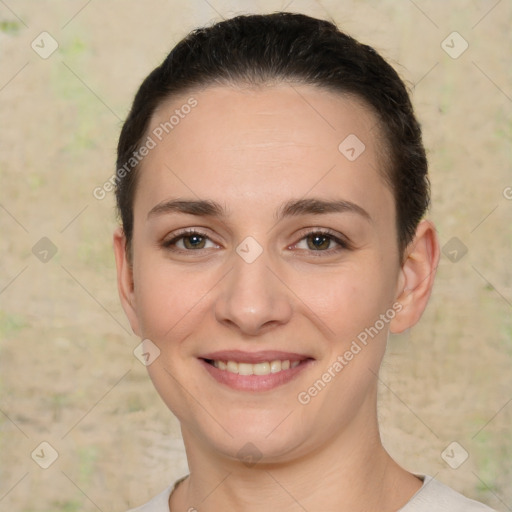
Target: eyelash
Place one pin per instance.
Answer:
(343, 244)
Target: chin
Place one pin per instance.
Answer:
(254, 439)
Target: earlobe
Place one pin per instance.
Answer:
(417, 277)
(125, 283)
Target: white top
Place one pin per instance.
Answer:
(433, 496)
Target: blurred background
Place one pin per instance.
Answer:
(68, 375)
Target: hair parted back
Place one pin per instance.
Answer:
(282, 47)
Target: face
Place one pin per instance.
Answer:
(282, 251)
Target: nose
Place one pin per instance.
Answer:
(253, 298)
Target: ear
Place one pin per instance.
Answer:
(125, 284)
(416, 277)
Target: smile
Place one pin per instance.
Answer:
(256, 371)
(263, 368)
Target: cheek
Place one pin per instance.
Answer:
(169, 297)
(172, 299)
(346, 300)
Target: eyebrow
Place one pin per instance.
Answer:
(291, 208)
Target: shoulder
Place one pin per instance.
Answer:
(431, 494)
(160, 503)
(435, 496)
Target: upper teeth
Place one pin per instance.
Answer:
(255, 369)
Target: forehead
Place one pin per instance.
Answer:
(226, 117)
(265, 142)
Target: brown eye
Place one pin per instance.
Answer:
(193, 241)
(323, 242)
(190, 240)
(317, 241)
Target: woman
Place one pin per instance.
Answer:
(271, 185)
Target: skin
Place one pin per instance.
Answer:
(251, 150)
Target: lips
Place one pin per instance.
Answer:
(254, 371)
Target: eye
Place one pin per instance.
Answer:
(322, 241)
(188, 240)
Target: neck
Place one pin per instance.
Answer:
(348, 472)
